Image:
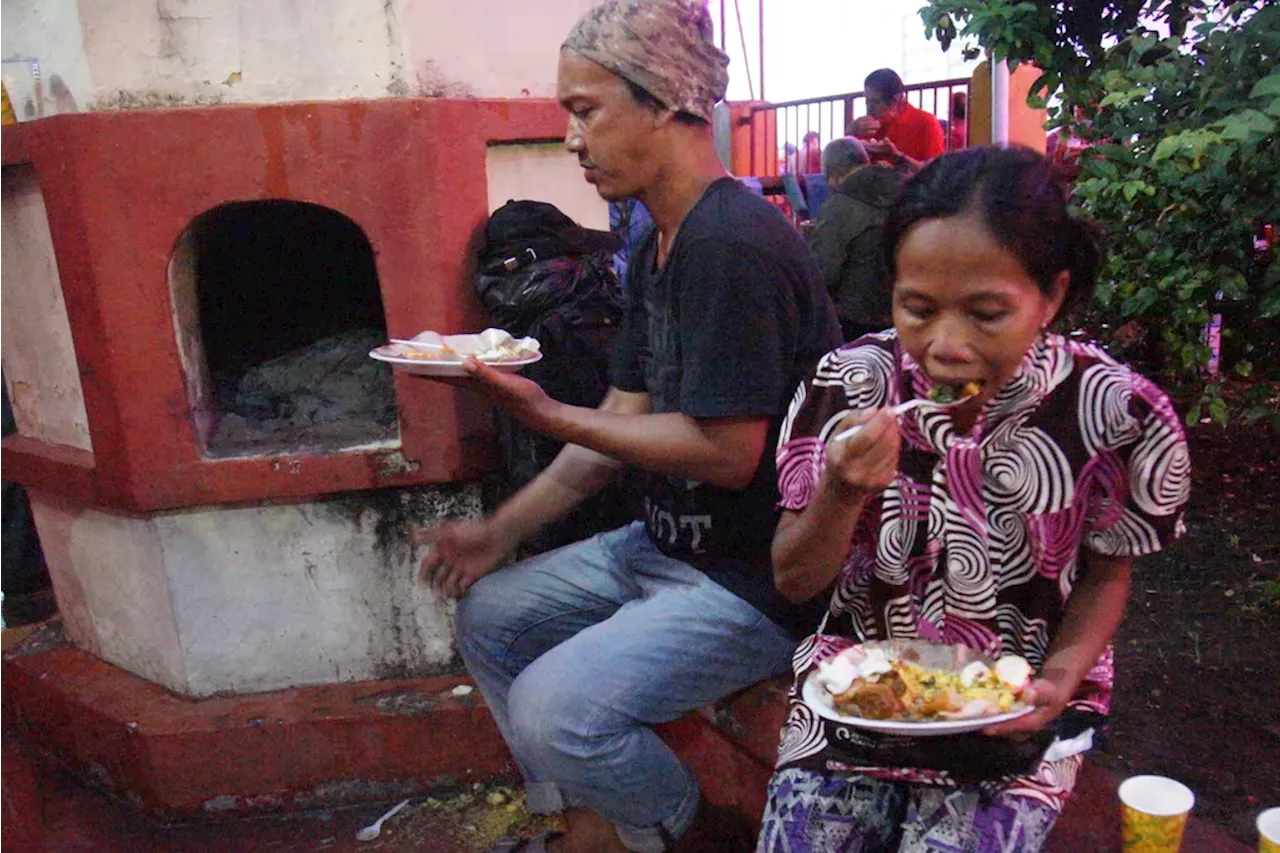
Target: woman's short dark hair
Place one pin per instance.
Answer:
(1012, 191)
(647, 99)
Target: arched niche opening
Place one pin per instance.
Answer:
(276, 306)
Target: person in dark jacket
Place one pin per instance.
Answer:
(847, 236)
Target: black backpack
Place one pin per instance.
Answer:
(544, 276)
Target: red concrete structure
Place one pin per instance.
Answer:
(122, 188)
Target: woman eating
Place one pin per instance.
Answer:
(1004, 515)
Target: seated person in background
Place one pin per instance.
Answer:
(896, 132)
(958, 128)
(1007, 523)
(847, 238)
(789, 161)
(811, 154)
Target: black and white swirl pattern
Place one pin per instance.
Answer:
(933, 604)
(1044, 367)
(802, 736)
(1103, 408)
(850, 596)
(1160, 468)
(802, 657)
(1011, 555)
(937, 504)
(900, 617)
(1025, 470)
(1130, 536)
(934, 427)
(1022, 635)
(897, 536)
(862, 372)
(970, 581)
(1067, 578)
(832, 426)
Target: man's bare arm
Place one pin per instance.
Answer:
(722, 451)
(574, 475)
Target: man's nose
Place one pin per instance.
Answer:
(573, 139)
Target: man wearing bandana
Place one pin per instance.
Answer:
(579, 652)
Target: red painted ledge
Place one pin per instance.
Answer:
(285, 750)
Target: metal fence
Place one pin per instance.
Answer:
(789, 137)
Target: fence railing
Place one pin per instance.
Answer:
(789, 136)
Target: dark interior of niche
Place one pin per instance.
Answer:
(289, 307)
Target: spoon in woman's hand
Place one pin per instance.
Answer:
(374, 829)
(970, 390)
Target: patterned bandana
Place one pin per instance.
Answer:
(665, 47)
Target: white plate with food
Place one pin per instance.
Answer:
(913, 687)
(433, 354)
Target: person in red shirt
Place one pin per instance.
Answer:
(811, 153)
(895, 131)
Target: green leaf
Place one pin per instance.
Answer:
(1139, 302)
(1247, 123)
(1255, 413)
(1243, 368)
(1270, 304)
(1218, 410)
(1268, 86)
(1193, 415)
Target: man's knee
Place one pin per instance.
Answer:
(480, 614)
(555, 715)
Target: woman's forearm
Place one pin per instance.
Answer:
(810, 547)
(1093, 613)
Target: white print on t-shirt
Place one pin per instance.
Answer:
(684, 530)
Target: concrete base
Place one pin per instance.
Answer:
(238, 599)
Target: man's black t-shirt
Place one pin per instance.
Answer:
(727, 328)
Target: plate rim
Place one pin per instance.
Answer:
(811, 697)
(441, 363)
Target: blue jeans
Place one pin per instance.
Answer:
(579, 651)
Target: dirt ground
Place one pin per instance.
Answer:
(1197, 694)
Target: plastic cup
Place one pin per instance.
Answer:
(1269, 831)
(1155, 813)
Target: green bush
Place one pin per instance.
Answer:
(1183, 170)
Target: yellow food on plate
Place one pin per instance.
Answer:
(503, 352)
(877, 686)
(434, 354)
